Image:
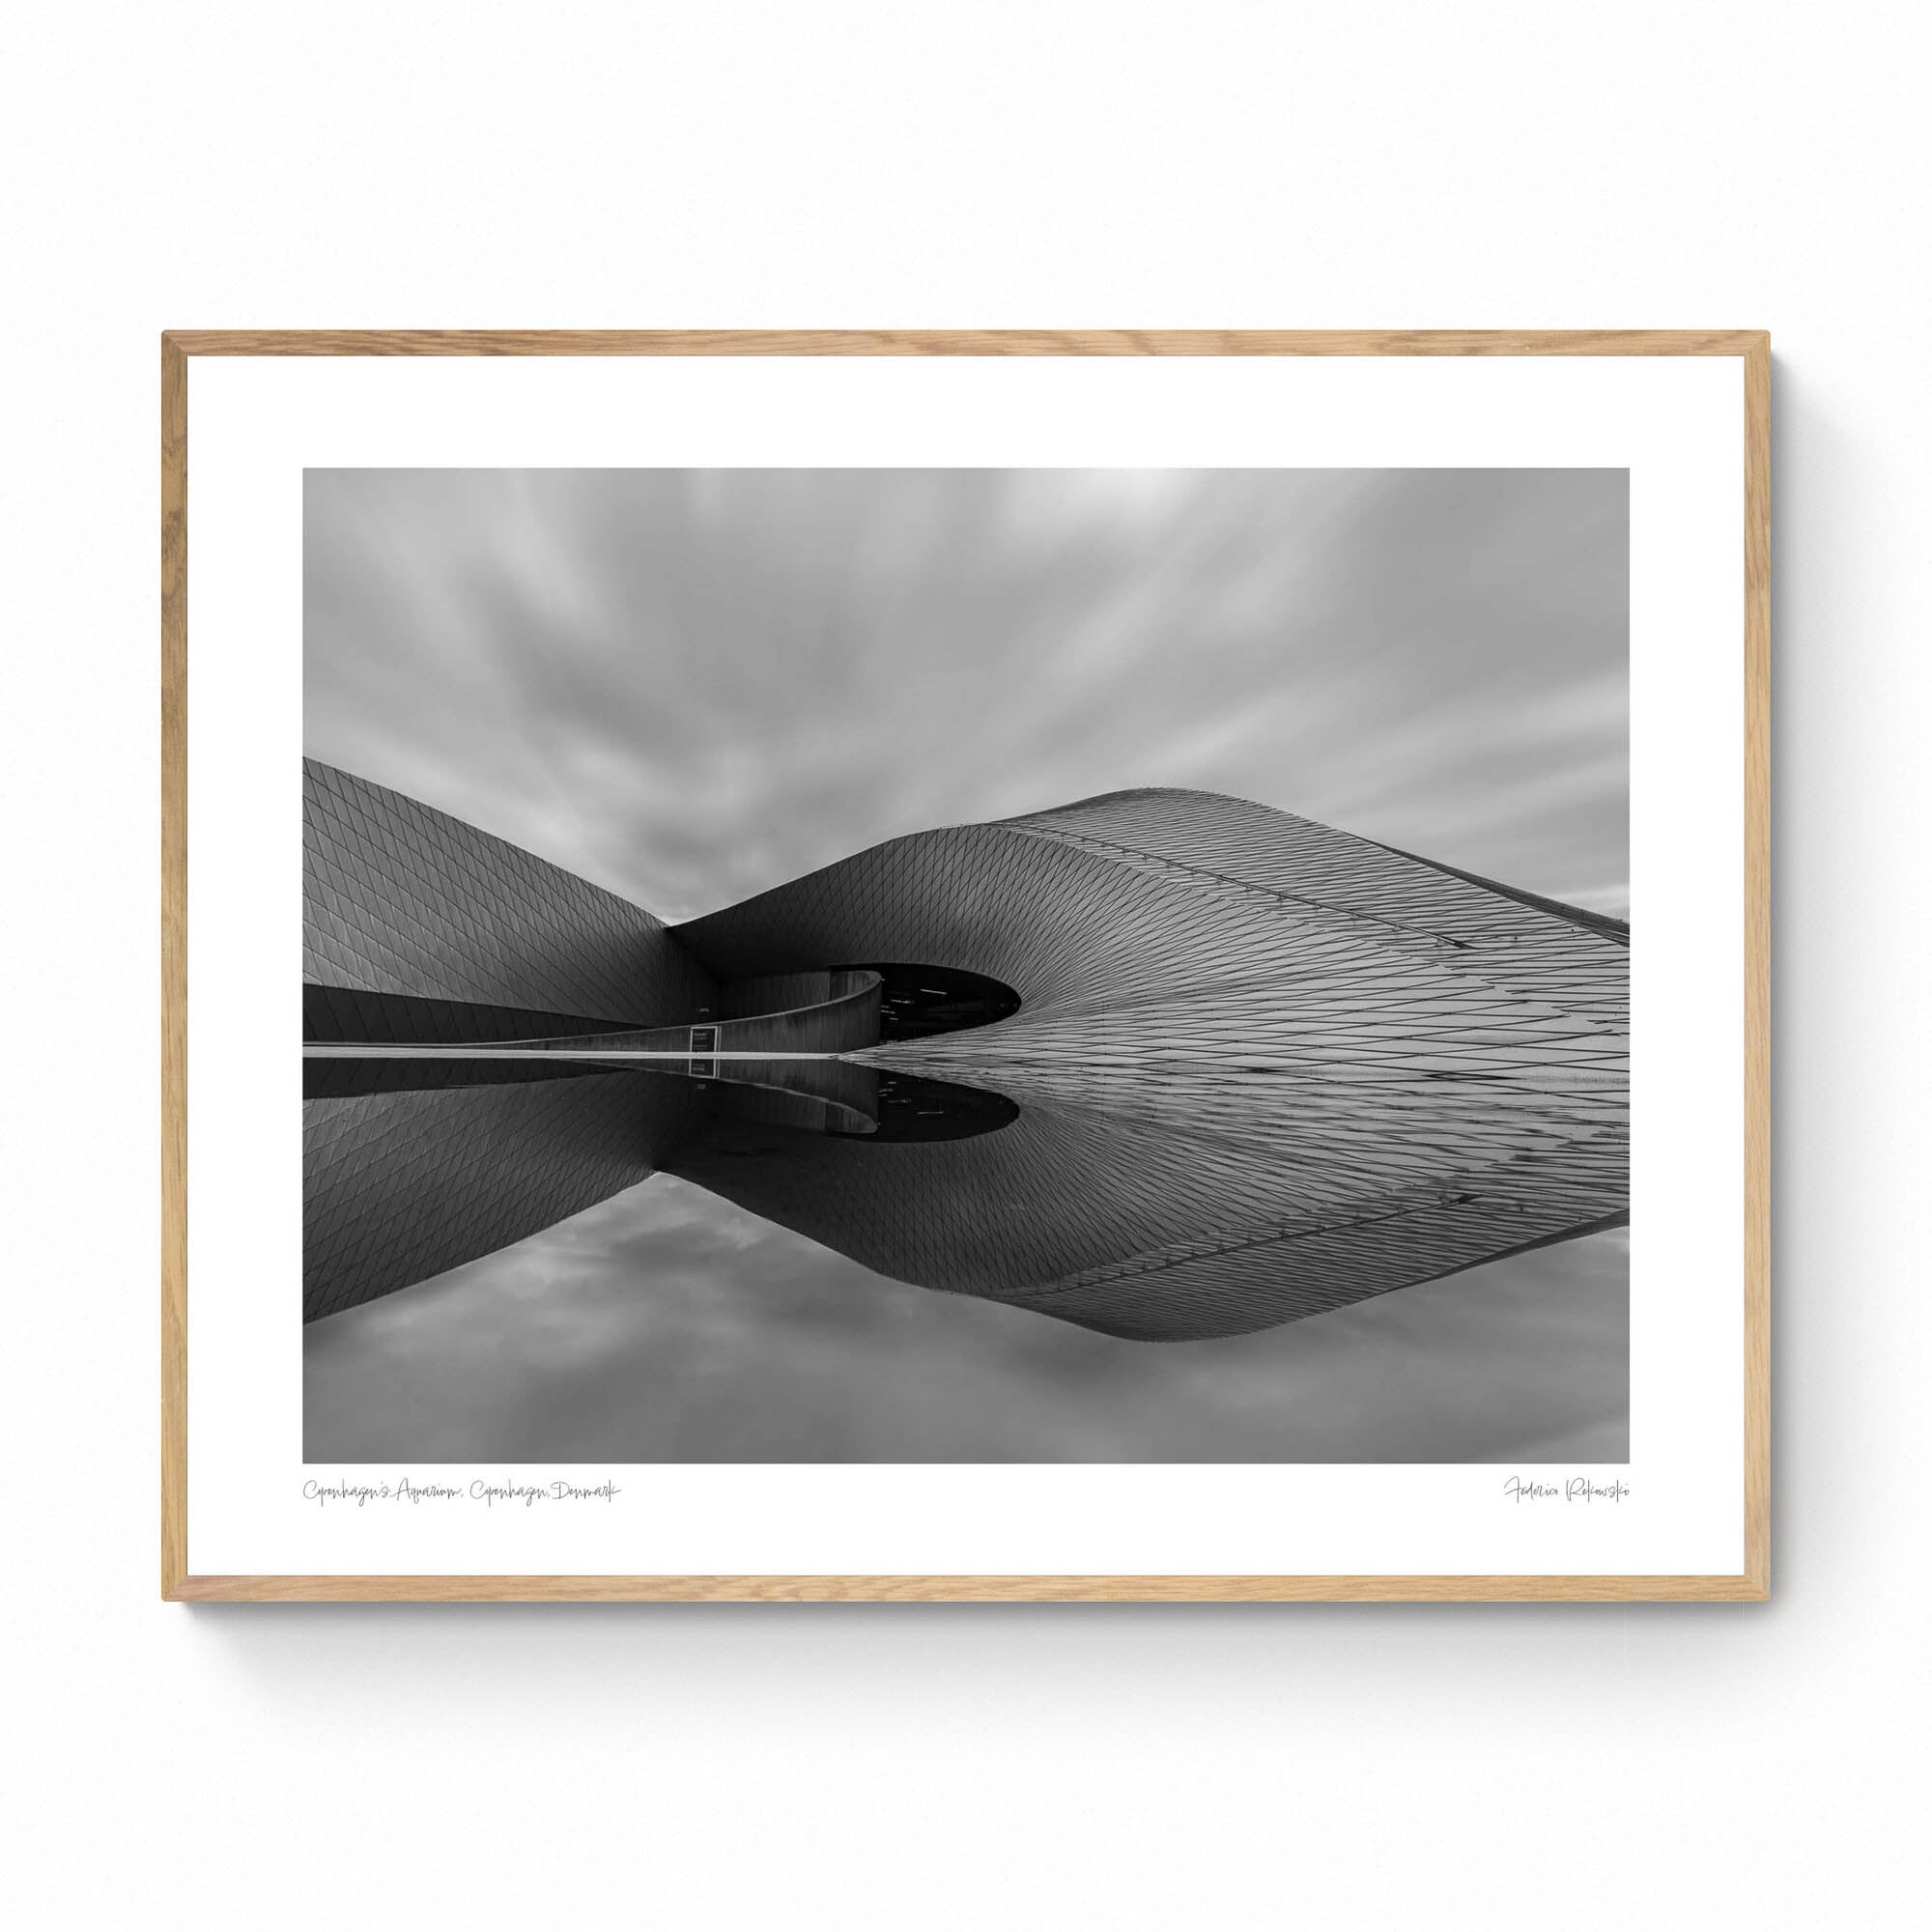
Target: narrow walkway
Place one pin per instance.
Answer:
(361, 1050)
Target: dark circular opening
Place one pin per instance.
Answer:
(917, 1002)
(913, 1108)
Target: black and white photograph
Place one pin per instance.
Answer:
(1102, 830)
(965, 965)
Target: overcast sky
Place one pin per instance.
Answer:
(691, 685)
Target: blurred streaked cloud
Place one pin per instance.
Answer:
(693, 685)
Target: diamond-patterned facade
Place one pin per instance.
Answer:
(1264, 1067)
(399, 899)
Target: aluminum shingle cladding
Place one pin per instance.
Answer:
(398, 898)
(1178, 1210)
(1265, 1068)
(1166, 926)
(397, 1187)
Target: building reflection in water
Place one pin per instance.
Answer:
(1163, 1065)
(1175, 1205)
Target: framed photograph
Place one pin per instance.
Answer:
(965, 966)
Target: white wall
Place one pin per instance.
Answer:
(1209, 164)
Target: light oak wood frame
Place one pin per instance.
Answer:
(1750, 347)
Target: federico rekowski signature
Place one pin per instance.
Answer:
(1572, 1489)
